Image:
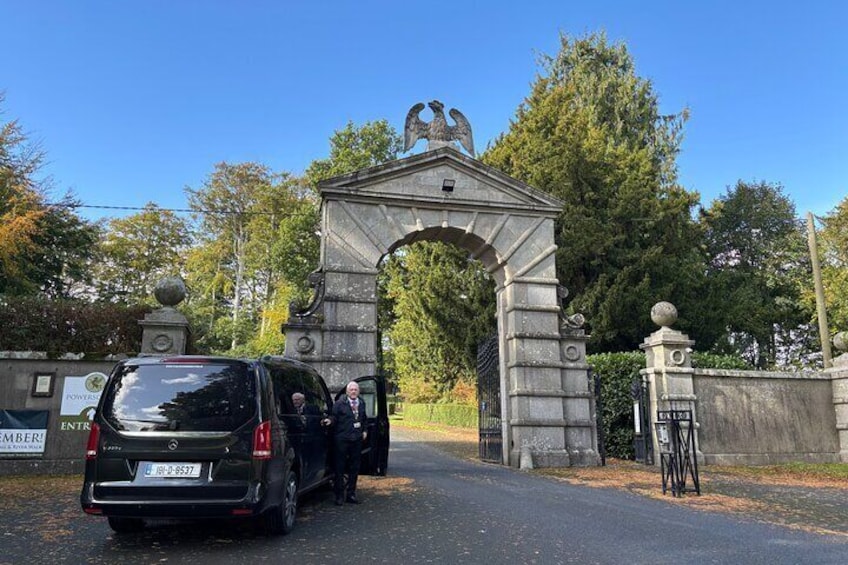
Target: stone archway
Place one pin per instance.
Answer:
(446, 196)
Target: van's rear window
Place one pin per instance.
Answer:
(181, 397)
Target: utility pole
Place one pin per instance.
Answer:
(824, 332)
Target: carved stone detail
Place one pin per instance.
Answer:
(316, 281)
(305, 344)
(437, 131)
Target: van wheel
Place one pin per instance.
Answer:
(280, 520)
(126, 525)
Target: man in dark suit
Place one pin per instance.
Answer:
(349, 431)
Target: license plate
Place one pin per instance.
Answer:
(172, 470)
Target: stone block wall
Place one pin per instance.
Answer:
(760, 418)
(64, 450)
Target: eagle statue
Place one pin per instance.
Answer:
(437, 132)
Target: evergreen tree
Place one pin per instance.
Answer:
(757, 263)
(444, 305)
(591, 133)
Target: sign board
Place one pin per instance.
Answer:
(79, 400)
(23, 433)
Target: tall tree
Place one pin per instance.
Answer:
(139, 250)
(20, 203)
(592, 134)
(282, 250)
(833, 243)
(758, 259)
(356, 147)
(444, 305)
(250, 218)
(42, 248)
(224, 204)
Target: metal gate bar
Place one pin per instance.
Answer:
(678, 458)
(643, 445)
(489, 401)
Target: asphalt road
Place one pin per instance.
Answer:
(432, 508)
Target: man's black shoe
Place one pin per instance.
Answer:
(351, 498)
(339, 502)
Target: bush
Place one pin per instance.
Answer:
(617, 371)
(459, 415)
(416, 391)
(464, 392)
(69, 326)
(716, 361)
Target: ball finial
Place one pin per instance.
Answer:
(664, 314)
(170, 291)
(840, 341)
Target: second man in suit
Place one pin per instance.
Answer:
(349, 432)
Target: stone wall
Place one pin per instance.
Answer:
(758, 417)
(747, 417)
(64, 448)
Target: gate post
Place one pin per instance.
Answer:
(669, 370)
(839, 382)
(581, 431)
(337, 332)
(166, 331)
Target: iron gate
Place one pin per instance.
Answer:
(643, 444)
(489, 400)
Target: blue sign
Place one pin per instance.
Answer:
(22, 432)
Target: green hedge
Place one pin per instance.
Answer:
(716, 361)
(460, 415)
(617, 371)
(69, 326)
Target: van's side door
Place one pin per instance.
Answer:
(375, 450)
(286, 382)
(316, 447)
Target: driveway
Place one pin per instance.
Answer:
(432, 508)
(795, 500)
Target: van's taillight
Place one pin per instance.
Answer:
(93, 440)
(262, 441)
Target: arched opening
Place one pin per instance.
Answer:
(436, 305)
(508, 226)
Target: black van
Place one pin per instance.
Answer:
(209, 437)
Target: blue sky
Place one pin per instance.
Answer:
(133, 101)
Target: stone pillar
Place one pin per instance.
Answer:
(165, 331)
(337, 332)
(581, 432)
(839, 376)
(669, 370)
(550, 406)
(532, 374)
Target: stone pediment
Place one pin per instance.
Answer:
(419, 179)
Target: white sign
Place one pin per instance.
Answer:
(22, 432)
(17, 441)
(637, 418)
(80, 396)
